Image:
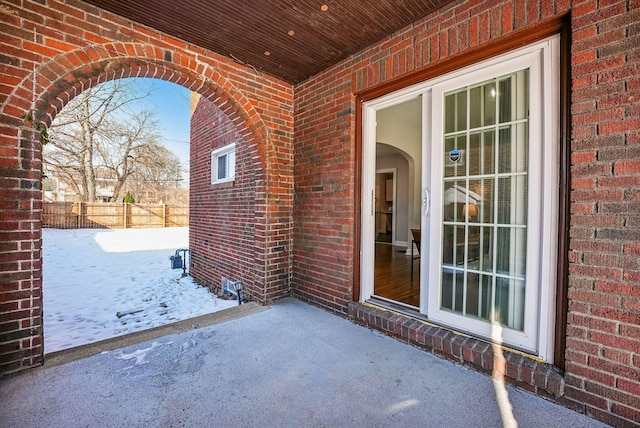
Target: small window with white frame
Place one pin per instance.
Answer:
(223, 164)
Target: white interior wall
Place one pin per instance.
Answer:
(400, 127)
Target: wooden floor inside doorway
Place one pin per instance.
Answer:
(393, 278)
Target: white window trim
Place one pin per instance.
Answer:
(538, 337)
(215, 154)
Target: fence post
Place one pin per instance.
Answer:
(164, 215)
(124, 221)
(79, 219)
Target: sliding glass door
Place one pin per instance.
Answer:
(488, 197)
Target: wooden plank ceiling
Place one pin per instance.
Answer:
(288, 39)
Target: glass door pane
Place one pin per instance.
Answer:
(484, 203)
(395, 199)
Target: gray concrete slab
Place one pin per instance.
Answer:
(289, 365)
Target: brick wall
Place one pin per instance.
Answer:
(73, 46)
(602, 375)
(222, 216)
(52, 51)
(603, 333)
(324, 163)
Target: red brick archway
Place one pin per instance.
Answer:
(54, 84)
(61, 79)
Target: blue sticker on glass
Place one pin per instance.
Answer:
(454, 155)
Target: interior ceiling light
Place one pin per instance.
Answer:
(291, 32)
(324, 8)
(267, 53)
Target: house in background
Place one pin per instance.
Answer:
(505, 131)
(58, 190)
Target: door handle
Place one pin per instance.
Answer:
(373, 202)
(426, 201)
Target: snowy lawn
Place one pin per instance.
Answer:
(90, 276)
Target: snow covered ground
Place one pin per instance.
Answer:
(91, 275)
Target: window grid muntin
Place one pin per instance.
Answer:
(454, 135)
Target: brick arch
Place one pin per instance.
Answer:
(65, 76)
(58, 81)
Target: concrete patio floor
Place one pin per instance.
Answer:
(288, 365)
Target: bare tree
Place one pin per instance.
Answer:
(104, 134)
(125, 146)
(160, 172)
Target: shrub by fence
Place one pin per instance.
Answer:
(84, 215)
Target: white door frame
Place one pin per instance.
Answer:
(367, 242)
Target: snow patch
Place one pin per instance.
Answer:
(92, 275)
(140, 355)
